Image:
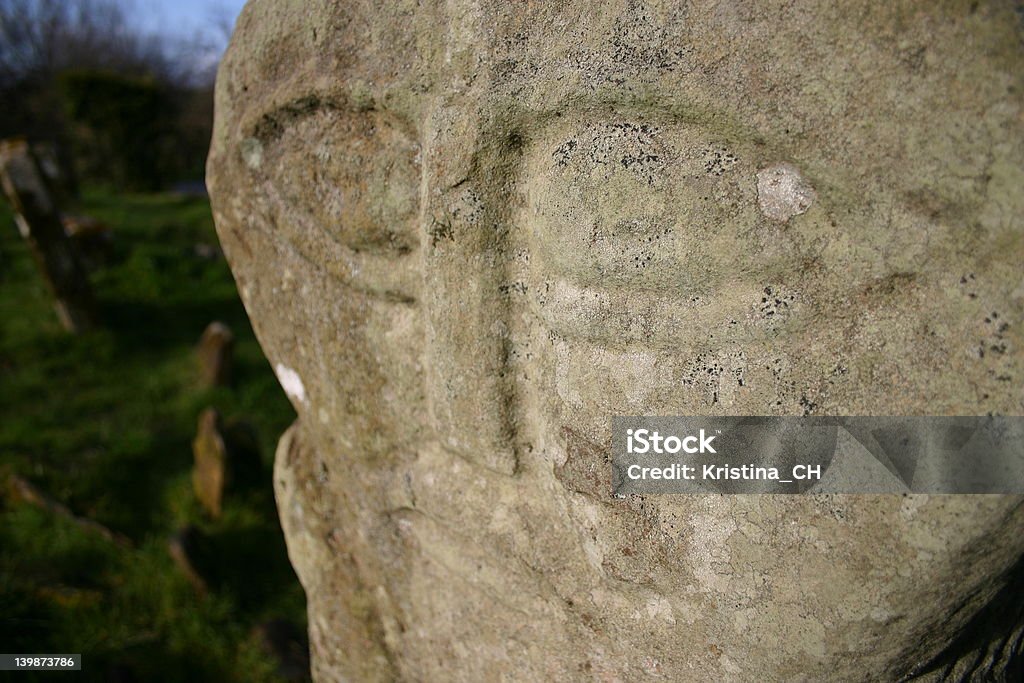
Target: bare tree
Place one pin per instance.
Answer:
(41, 37)
(44, 43)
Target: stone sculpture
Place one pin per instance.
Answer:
(468, 233)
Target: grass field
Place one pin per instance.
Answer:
(103, 423)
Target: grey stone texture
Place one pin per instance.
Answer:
(468, 233)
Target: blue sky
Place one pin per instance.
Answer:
(184, 17)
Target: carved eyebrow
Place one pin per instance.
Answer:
(536, 121)
(270, 125)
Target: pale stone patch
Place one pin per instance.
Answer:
(782, 192)
(291, 383)
(660, 608)
(252, 153)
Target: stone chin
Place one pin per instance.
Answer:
(466, 240)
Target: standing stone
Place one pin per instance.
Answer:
(215, 351)
(470, 232)
(210, 470)
(39, 222)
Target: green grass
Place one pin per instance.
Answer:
(103, 422)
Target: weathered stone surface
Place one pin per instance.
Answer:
(216, 354)
(210, 468)
(468, 233)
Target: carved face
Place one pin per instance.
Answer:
(469, 236)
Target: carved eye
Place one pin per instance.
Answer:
(655, 207)
(354, 176)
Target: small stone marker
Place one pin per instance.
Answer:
(40, 224)
(209, 473)
(215, 351)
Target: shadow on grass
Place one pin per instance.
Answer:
(249, 563)
(154, 327)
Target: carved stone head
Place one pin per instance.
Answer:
(469, 233)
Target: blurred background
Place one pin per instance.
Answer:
(138, 415)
